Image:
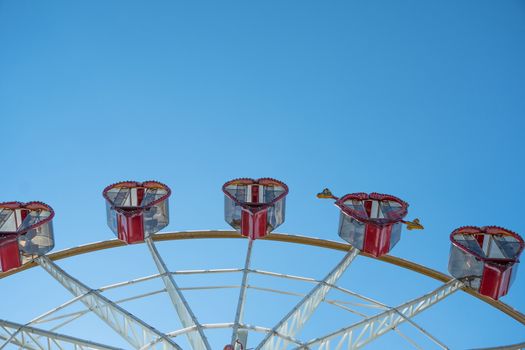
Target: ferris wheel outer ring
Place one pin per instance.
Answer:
(277, 237)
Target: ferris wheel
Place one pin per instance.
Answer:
(483, 263)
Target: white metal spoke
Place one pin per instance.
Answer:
(75, 315)
(239, 313)
(365, 331)
(519, 346)
(187, 318)
(408, 339)
(135, 331)
(301, 313)
(26, 337)
(243, 327)
(424, 332)
(371, 303)
(339, 303)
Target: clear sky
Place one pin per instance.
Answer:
(423, 100)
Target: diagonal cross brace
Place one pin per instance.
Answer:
(198, 340)
(365, 331)
(135, 331)
(293, 322)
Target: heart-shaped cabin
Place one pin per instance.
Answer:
(485, 258)
(254, 207)
(26, 231)
(371, 222)
(136, 210)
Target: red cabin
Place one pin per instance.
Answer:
(136, 209)
(26, 231)
(254, 207)
(371, 222)
(485, 258)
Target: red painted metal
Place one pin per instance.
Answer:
(262, 181)
(140, 194)
(495, 281)
(255, 193)
(486, 230)
(132, 184)
(25, 209)
(377, 239)
(9, 253)
(378, 231)
(23, 214)
(254, 216)
(131, 228)
(368, 208)
(497, 272)
(254, 225)
(480, 239)
(130, 219)
(395, 216)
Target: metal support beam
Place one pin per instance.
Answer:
(198, 340)
(365, 331)
(239, 313)
(519, 346)
(294, 321)
(135, 331)
(26, 337)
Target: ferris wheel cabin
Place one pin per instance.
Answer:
(136, 210)
(254, 207)
(26, 231)
(485, 258)
(371, 222)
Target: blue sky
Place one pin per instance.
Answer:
(423, 100)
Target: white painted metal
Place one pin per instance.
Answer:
(28, 343)
(70, 317)
(45, 315)
(365, 331)
(370, 303)
(194, 272)
(242, 327)
(239, 313)
(408, 339)
(135, 331)
(75, 315)
(26, 337)
(301, 313)
(423, 331)
(519, 346)
(198, 340)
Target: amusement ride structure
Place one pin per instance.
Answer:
(483, 263)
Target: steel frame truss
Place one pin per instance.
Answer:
(135, 331)
(47, 339)
(294, 321)
(365, 331)
(26, 337)
(239, 313)
(198, 340)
